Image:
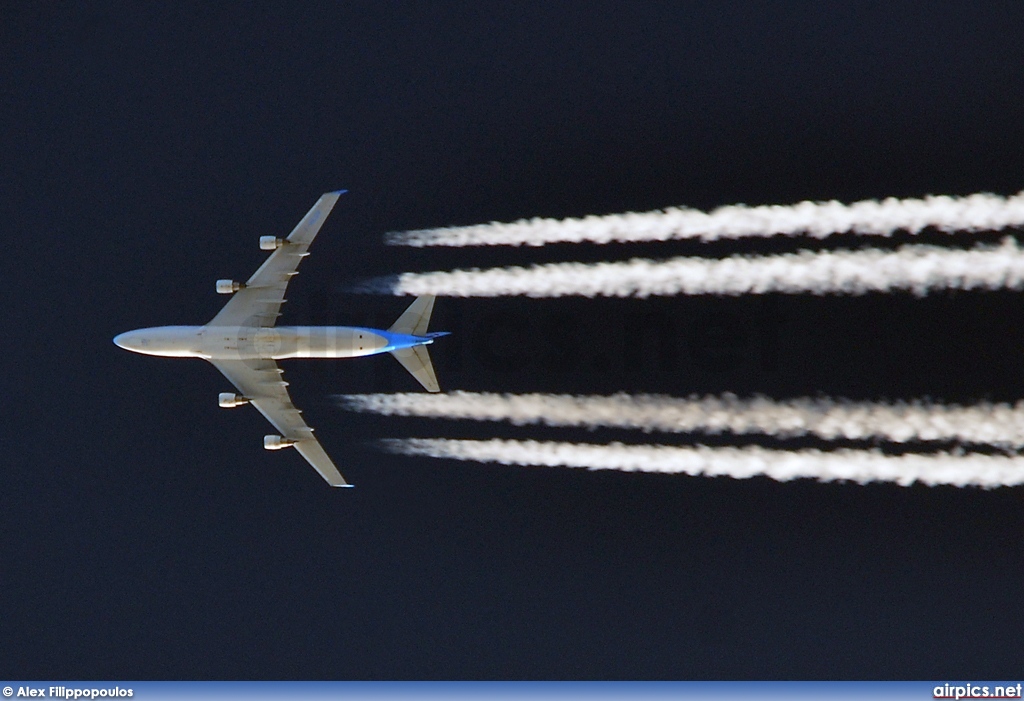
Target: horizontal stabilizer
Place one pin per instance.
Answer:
(417, 361)
(415, 319)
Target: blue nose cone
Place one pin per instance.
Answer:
(121, 341)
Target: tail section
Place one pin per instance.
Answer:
(415, 319)
(415, 359)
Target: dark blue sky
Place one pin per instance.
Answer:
(147, 534)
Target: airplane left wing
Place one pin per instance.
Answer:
(260, 381)
(259, 302)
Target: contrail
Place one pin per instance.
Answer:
(917, 268)
(980, 212)
(999, 425)
(855, 465)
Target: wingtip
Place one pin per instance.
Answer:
(337, 192)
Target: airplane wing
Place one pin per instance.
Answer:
(259, 302)
(260, 381)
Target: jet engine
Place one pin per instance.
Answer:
(277, 442)
(270, 243)
(227, 287)
(230, 400)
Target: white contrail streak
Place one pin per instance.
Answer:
(854, 465)
(981, 212)
(917, 268)
(986, 423)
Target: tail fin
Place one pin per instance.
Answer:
(416, 360)
(414, 320)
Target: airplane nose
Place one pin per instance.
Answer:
(122, 341)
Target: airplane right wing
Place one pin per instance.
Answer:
(260, 382)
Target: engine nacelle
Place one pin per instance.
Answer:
(277, 442)
(229, 400)
(270, 243)
(227, 287)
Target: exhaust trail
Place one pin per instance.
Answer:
(1000, 425)
(916, 268)
(980, 212)
(854, 465)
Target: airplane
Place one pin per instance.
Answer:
(242, 341)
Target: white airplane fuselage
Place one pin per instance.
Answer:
(240, 343)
